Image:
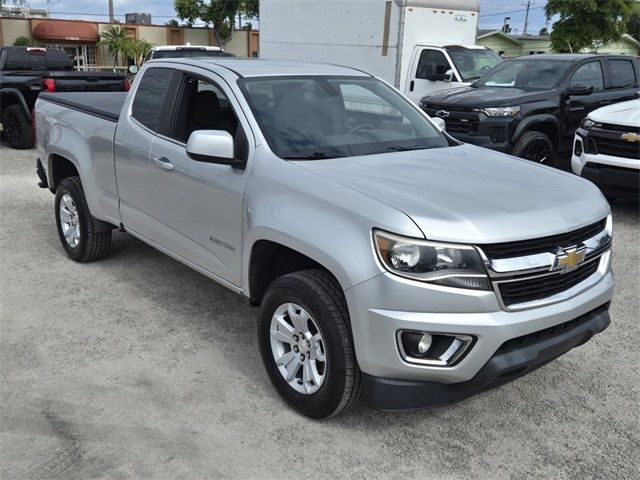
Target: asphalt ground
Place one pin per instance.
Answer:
(137, 367)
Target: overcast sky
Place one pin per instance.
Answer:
(491, 16)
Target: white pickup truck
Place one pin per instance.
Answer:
(388, 259)
(606, 150)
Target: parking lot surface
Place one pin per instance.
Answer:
(138, 367)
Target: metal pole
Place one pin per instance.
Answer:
(111, 11)
(526, 16)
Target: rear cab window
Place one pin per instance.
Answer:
(150, 97)
(35, 59)
(622, 73)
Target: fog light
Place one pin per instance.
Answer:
(577, 149)
(434, 349)
(498, 134)
(425, 343)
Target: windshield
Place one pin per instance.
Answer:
(328, 117)
(526, 74)
(472, 63)
(183, 53)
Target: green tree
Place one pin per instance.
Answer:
(118, 41)
(219, 13)
(173, 23)
(22, 41)
(543, 31)
(633, 23)
(587, 24)
(142, 47)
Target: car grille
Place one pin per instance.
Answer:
(616, 147)
(460, 120)
(541, 245)
(530, 289)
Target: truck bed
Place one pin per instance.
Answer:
(106, 105)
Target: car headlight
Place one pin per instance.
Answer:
(501, 111)
(587, 123)
(452, 265)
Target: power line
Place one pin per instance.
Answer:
(510, 11)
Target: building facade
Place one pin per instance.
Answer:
(80, 38)
(509, 46)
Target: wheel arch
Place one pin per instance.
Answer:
(271, 258)
(547, 124)
(13, 96)
(60, 167)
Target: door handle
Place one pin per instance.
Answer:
(411, 86)
(163, 162)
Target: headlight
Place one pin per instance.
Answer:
(452, 265)
(501, 111)
(587, 123)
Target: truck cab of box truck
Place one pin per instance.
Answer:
(418, 46)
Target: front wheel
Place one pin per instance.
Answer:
(80, 238)
(537, 147)
(306, 345)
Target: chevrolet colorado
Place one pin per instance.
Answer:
(531, 106)
(606, 150)
(27, 71)
(389, 260)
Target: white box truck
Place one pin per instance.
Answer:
(419, 46)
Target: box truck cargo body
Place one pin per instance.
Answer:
(419, 46)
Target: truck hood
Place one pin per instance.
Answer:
(625, 113)
(483, 97)
(470, 194)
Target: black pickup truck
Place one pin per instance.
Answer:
(27, 71)
(531, 106)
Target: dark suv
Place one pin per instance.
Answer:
(531, 106)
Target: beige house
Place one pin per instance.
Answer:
(515, 45)
(80, 38)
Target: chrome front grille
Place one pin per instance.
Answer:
(533, 278)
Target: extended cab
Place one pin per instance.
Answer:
(606, 150)
(531, 106)
(27, 71)
(388, 259)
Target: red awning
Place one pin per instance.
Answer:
(66, 30)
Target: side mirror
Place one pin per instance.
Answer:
(440, 123)
(133, 69)
(449, 74)
(579, 90)
(213, 146)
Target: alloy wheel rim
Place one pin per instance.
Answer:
(69, 221)
(298, 348)
(538, 151)
(12, 127)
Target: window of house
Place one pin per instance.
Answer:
(622, 73)
(150, 97)
(589, 74)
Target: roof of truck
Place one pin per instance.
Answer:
(253, 67)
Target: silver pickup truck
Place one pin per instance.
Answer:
(389, 261)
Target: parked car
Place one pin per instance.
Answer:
(531, 106)
(183, 51)
(26, 71)
(388, 259)
(419, 46)
(606, 150)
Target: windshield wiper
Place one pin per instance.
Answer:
(400, 148)
(312, 156)
(474, 78)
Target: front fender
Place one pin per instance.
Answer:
(525, 124)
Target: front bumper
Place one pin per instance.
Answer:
(513, 359)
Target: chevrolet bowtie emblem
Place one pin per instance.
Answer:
(630, 137)
(568, 259)
(442, 113)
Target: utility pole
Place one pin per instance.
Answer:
(526, 16)
(110, 11)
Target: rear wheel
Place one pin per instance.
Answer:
(17, 127)
(537, 147)
(306, 345)
(80, 238)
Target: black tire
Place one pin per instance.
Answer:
(321, 296)
(537, 147)
(17, 127)
(93, 244)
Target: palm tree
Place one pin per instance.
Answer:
(142, 47)
(117, 40)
